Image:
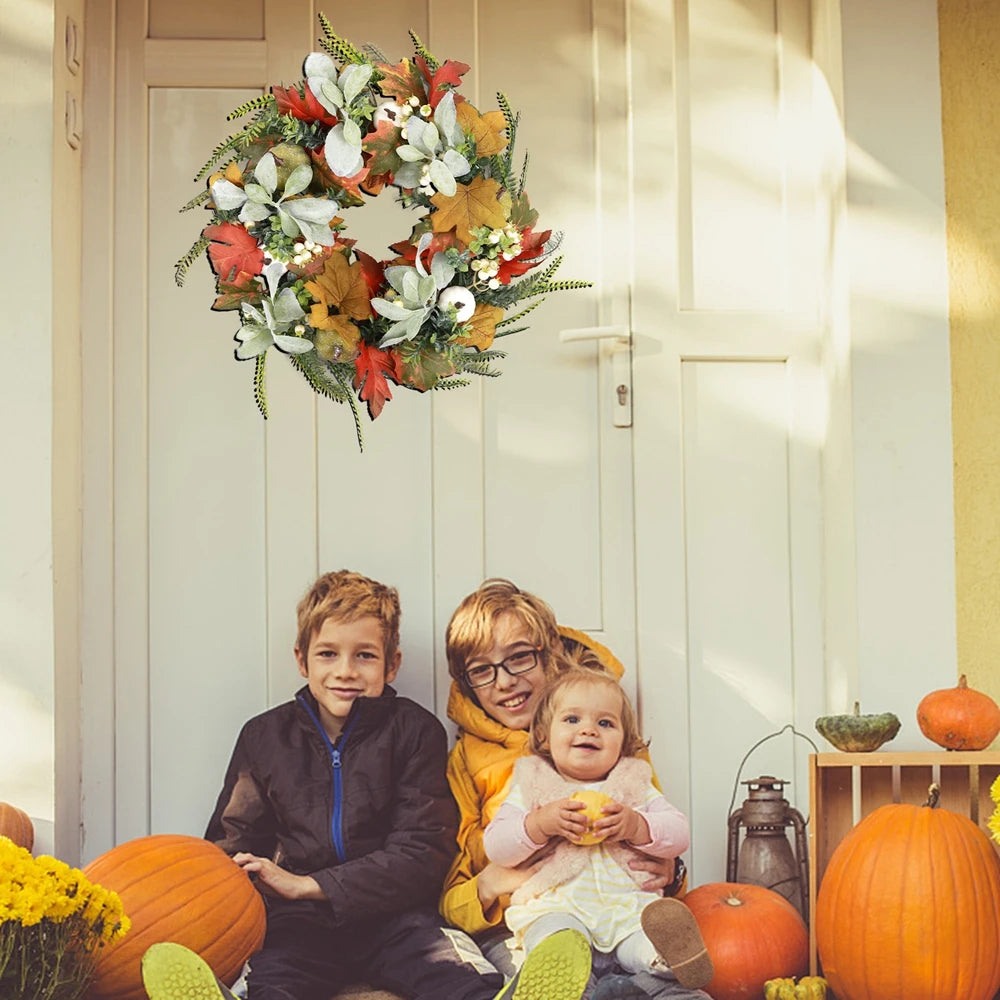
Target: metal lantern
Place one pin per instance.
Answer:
(765, 857)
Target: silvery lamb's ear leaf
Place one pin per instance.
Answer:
(442, 179)
(255, 316)
(227, 195)
(414, 323)
(410, 285)
(253, 211)
(446, 121)
(321, 65)
(343, 158)
(456, 163)
(288, 224)
(253, 340)
(390, 308)
(395, 334)
(352, 134)
(408, 175)
(395, 275)
(410, 154)
(422, 244)
(257, 194)
(441, 270)
(311, 209)
(316, 84)
(426, 289)
(286, 307)
(266, 173)
(292, 345)
(332, 93)
(272, 275)
(354, 79)
(298, 180)
(317, 232)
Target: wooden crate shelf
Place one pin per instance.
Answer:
(846, 787)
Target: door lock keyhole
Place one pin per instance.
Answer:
(622, 391)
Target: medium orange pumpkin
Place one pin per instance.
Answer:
(752, 934)
(909, 906)
(176, 888)
(959, 718)
(16, 824)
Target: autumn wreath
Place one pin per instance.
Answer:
(351, 324)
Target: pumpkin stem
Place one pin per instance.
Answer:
(933, 794)
(962, 682)
(857, 708)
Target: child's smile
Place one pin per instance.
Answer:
(509, 699)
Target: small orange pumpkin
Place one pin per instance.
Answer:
(909, 906)
(16, 824)
(959, 718)
(752, 934)
(176, 888)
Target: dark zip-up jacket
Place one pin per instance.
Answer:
(370, 817)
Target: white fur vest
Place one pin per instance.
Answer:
(540, 784)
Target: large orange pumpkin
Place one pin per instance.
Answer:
(176, 888)
(909, 906)
(959, 718)
(752, 934)
(16, 824)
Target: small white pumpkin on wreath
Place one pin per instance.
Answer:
(351, 324)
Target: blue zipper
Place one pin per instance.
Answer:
(336, 762)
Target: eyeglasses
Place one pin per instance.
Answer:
(484, 674)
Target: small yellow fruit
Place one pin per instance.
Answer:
(594, 801)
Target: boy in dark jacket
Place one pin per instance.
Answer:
(338, 806)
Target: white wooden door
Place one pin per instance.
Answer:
(729, 406)
(220, 521)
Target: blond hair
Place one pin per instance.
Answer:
(589, 671)
(472, 626)
(346, 596)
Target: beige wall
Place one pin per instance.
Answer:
(970, 99)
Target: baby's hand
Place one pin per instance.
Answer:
(276, 881)
(562, 818)
(621, 822)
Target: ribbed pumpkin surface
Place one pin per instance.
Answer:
(176, 888)
(16, 824)
(909, 907)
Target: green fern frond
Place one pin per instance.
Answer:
(345, 384)
(562, 286)
(512, 330)
(490, 355)
(233, 143)
(197, 200)
(181, 267)
(374, 53)
(259, 385)
(421, 50)
(524, 312)
(501, 171)
(317, 375)
(338, 47)
(262, 101)
(524, 175)
(451, 383)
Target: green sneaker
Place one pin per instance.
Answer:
(172, 972)
(557, 969)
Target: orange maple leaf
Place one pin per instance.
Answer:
(473, 204)
(232, 250)
(341, 287)
(371, 367)
(484, 129)
(481, 327)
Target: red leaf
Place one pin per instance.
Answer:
(443, 79)
(232, 250)
(300, 102)
(371, 367)
(532, 248)
(348, 186)
(373, 272)
(243, 288)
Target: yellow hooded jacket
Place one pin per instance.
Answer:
(479, 771)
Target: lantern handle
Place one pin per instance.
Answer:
(764, 739)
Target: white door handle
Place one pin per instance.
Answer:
(619, 341)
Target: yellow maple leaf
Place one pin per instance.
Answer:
(472, 205)
(338, 340)
(341, 286)
(485, 129)
(481, 327)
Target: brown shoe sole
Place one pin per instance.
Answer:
(673, 931)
